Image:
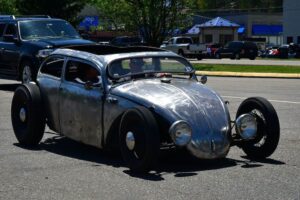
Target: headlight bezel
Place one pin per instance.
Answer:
(181, 133)
(246, 126)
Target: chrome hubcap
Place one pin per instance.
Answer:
(130, 140)
(27, 75)
(22, 115)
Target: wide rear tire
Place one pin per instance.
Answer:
(27, 116)
(139, 125)
(268, 128)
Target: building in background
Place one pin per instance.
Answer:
(218, 30)
(291, 17)
(265, 28)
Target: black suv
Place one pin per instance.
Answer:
(237, 50)
(26, 41)
(125, 41)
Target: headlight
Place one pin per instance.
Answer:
(246, 126)
(181, 133)
(44, 53)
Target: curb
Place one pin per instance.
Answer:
(248, 74)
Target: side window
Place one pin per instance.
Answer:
(53, 66)
(80, 72)
(11, 30)
(2, 26)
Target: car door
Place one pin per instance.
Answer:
(3, 65)
(49, 81)
(81, 102)
(227, 50)
(11, 49)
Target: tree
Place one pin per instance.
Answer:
(7, 7)
(154, 18)
(65, 9)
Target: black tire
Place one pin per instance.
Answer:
(199, 57)
(218, 56)
(27, 72)
(252, 57)
(268, 128)
(144, 155)
(181, 53)
(237, 56)
(29, 130)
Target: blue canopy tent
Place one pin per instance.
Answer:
(219, 22)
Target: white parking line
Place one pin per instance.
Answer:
(277, 101)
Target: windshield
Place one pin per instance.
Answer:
(42, 29)
(129, 67)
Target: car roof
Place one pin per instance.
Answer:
(10, 18)
(107, 53)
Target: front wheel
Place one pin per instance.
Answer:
(27, 116)
(27, 72)
(268, 128)
(139, 139)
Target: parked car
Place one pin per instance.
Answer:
(237, 50)
(139, 100)
(125, 41)
(26, 41)
(185, 47)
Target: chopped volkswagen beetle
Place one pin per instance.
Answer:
(138, 99)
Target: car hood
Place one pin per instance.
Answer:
(185, 100)
(56, 43)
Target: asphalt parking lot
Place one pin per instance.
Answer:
(62, 169)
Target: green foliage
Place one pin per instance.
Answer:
(7, 7)
(153, 17)
(65, 9)
(233, 4)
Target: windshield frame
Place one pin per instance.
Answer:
(46, 19)
(131, 76)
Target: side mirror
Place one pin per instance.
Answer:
(10, 38)
(203, 79)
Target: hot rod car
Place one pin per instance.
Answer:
(138, 99)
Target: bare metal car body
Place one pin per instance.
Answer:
(92, 115)
(89, 116)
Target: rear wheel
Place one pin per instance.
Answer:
(27, 116)
(181, 53)
(268, 128)
(199, 57)
(139, 139)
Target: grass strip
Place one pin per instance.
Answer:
(247, 68)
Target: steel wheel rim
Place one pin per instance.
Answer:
(26, 75)
(130, 140)
(22, 114)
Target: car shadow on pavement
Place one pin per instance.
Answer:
(171, 161)
(9, 87)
